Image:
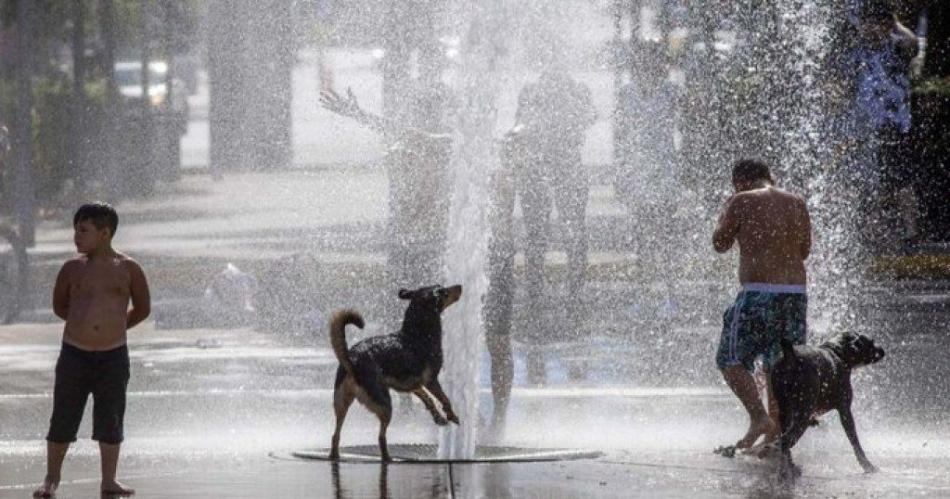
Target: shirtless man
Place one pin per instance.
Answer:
(92, 294)
(773, 229)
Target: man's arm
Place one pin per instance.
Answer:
(350, 108)
(907, 41)
(141, 301)
(61, 292)
(806, 232)
(728, 227)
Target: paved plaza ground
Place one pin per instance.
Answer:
(217, 413)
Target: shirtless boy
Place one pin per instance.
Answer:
(773, 229)
(92, 294)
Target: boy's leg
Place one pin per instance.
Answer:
(110, 463)
(70, 391)
(108, 415)
(55, 454)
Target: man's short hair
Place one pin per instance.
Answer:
(102, 215)
(876, 12)
(750, 170)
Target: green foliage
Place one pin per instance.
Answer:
(53, 105)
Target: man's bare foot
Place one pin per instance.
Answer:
(758, 428)
(48, 489)
(116, 488)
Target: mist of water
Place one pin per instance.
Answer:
(467, 255)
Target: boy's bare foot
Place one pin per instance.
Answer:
(764, 426)
(116, 488)
(48, 489)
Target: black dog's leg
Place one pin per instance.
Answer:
(793, 426)
(376, 398)
(430, 405)
(436, 389)
(342, 399)
(847, 421)
(384, 419)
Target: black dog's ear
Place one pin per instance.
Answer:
(405, 294)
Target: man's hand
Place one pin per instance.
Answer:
(348, 106)
(728, 227)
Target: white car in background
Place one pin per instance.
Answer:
(128, 78)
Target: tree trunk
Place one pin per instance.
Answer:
(106, 169)
(23, 191)
(78, 108)
(226, 55)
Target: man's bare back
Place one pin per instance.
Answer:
(773, 229)
(93, 295)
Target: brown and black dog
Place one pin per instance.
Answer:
(810, 381)
(408, 360)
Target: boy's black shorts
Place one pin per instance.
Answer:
(78, 373)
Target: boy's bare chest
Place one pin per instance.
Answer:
(101, 281)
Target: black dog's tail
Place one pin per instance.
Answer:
(788, 349)
(338, 335)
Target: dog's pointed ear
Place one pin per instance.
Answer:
(405, 294)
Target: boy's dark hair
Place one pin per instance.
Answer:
(102, 215)
(750, 170)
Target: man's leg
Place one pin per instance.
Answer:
(497, 315)
(570, 196)
(536, 209)
(776, 431)
(498, 302)
(502, 375)
(743, 385)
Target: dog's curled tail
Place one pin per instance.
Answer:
(788, 348)
(338, 335)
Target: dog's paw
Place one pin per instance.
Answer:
(725, 451)
(439, 420)
(768, 451)
(453, 418)
(789, 473)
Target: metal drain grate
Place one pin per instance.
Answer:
(428, 453)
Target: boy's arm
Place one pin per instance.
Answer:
(141, 301)
(727, 228)
(61, 292)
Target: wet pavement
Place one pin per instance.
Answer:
(217, 413)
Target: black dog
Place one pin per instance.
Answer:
(810, 381)
(408, 360)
